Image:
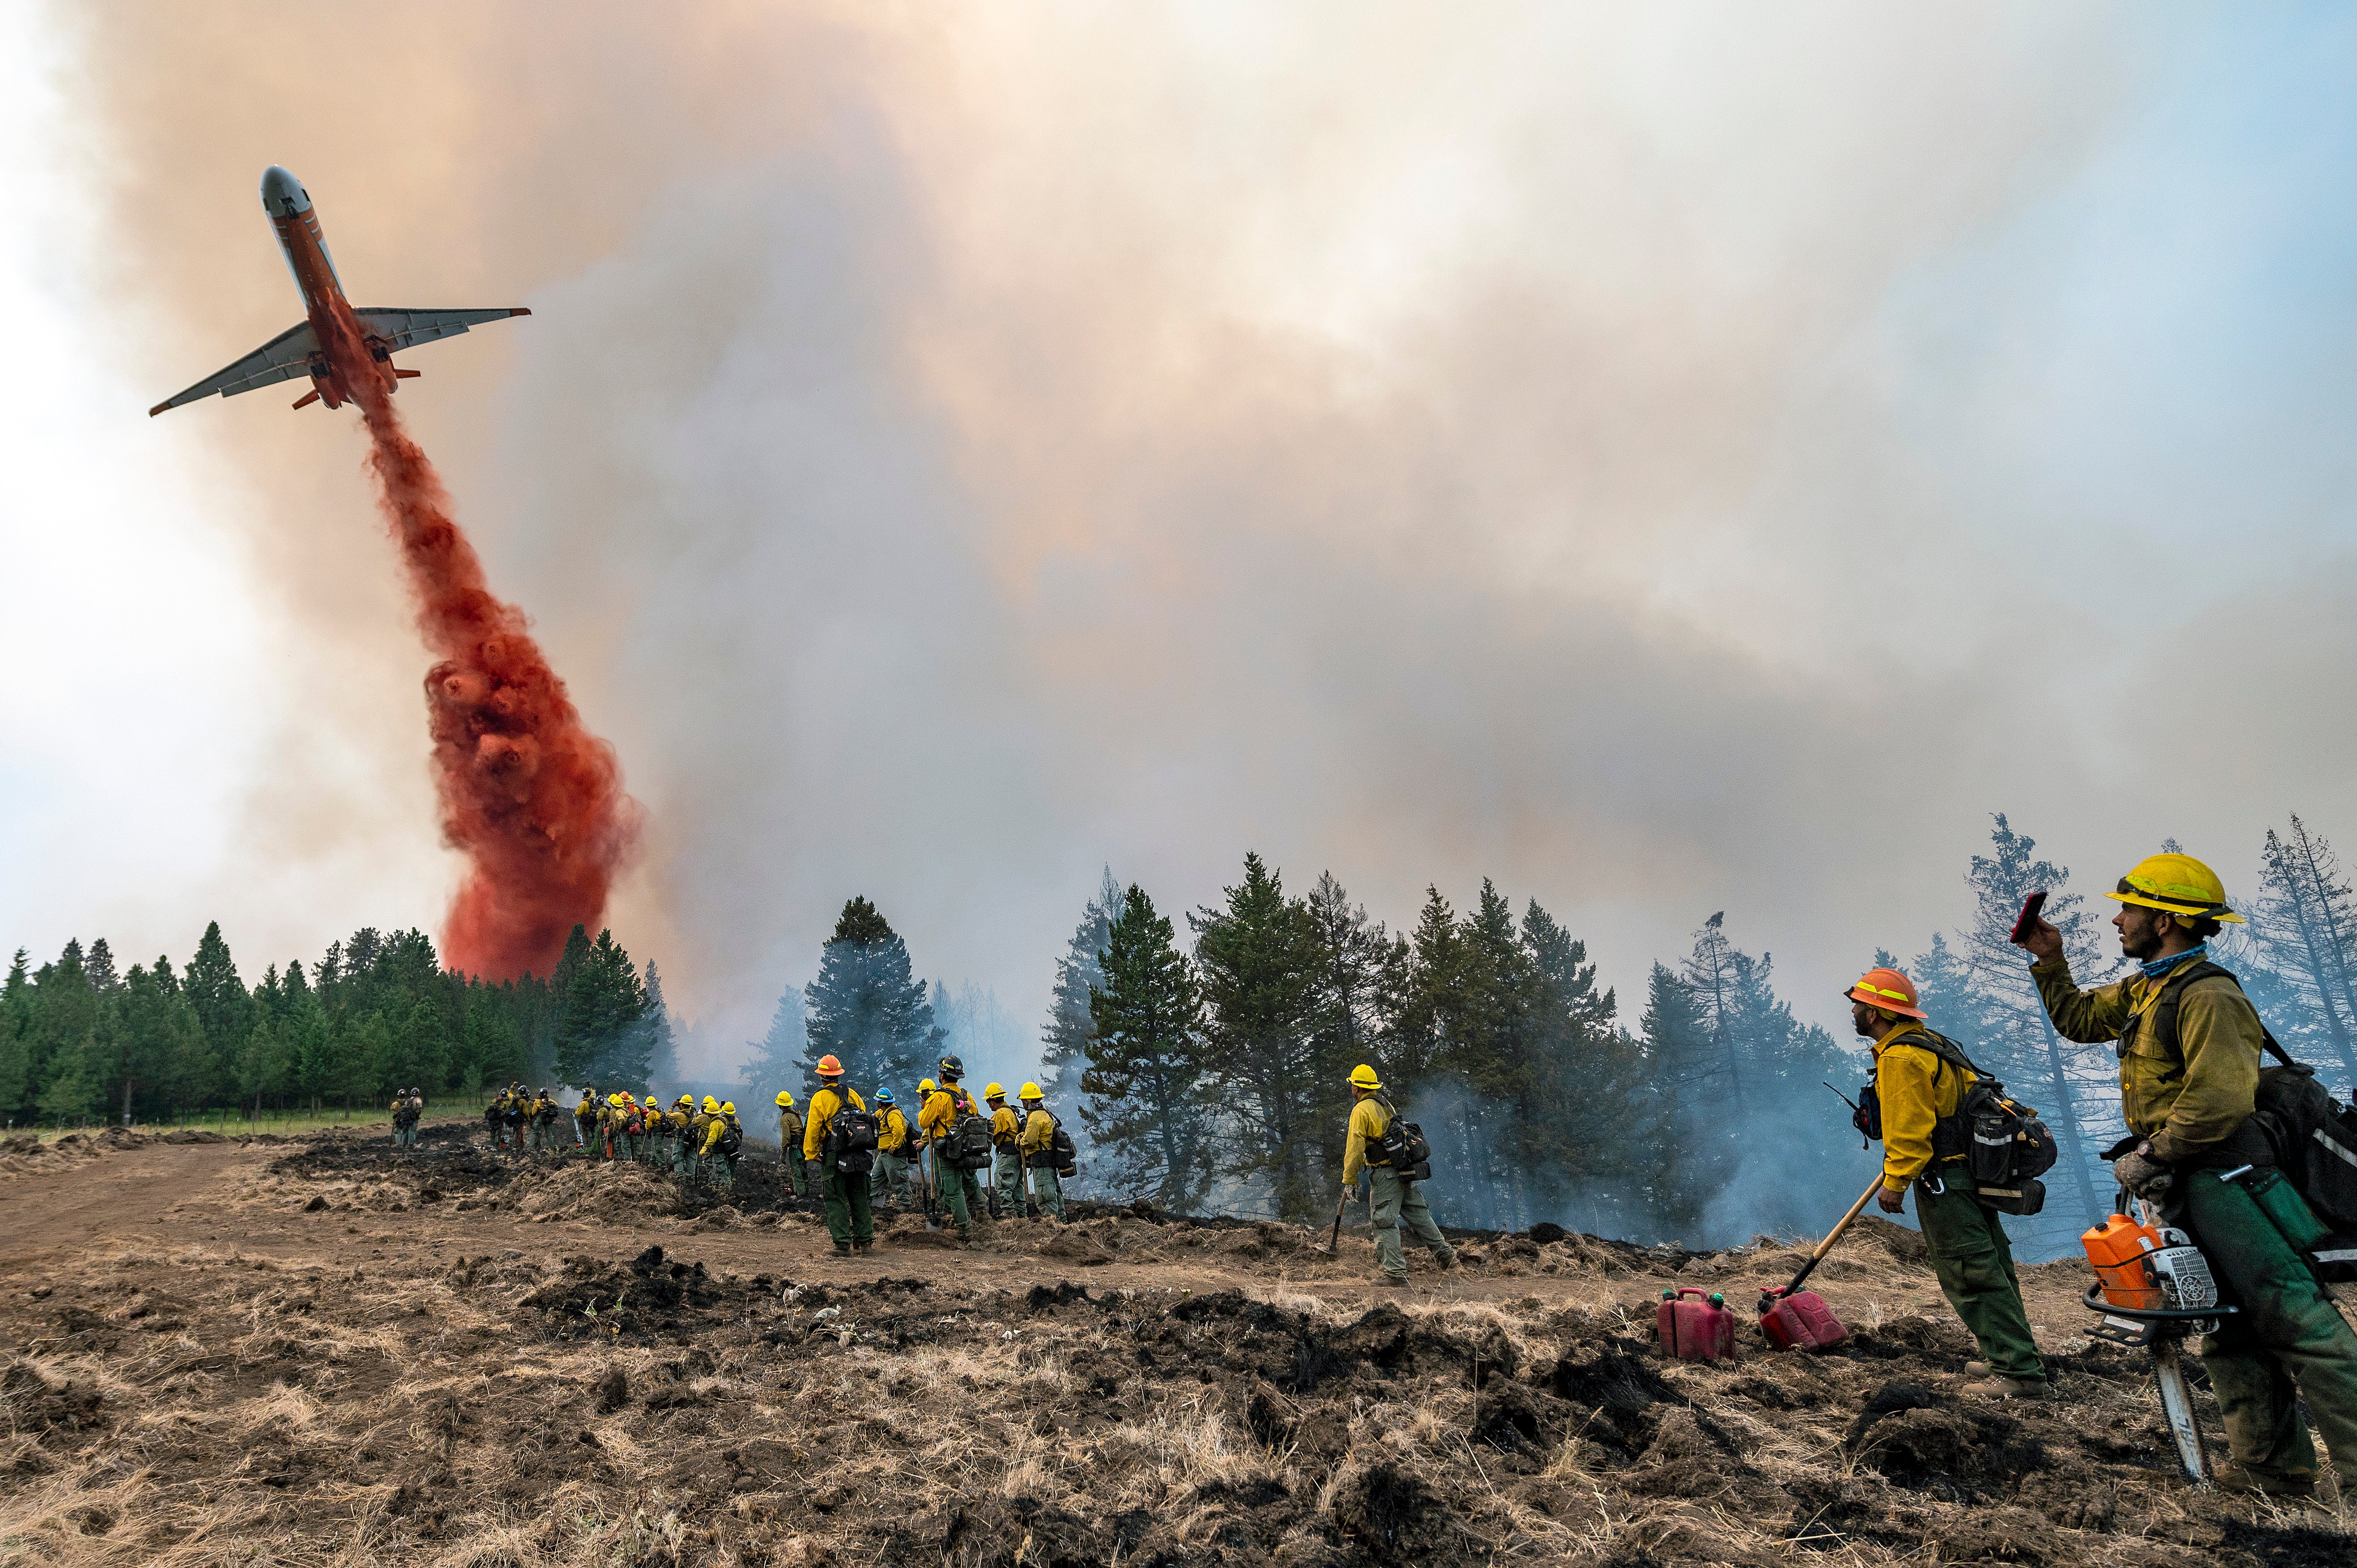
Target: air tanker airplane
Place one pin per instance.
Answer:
(298, 351)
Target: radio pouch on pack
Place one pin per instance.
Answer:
(2005, 1147)
(731, 1141)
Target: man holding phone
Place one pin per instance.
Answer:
(2188, 1044)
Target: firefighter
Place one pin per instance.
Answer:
(407, 1106)
(789, 1139)
(1006, 1131)
(850, 1215)
(491, 1115)
(543, 1122)
(947, 1106)
(889, 1183)
(1917, 1090)
(2189, 1049)
(513, 1115)
(722, 1138)
(699, 1130)
(585, 1119)
(1039, 1152)
(1392, 1201)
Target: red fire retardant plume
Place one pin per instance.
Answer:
(533, 798)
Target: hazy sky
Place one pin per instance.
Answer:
(1666, 459)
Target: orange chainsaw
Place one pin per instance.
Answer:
(2153, 1288)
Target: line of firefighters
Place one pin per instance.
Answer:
(2188, 1044)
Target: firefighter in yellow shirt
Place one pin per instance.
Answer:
(959, 1175)
(841, 1174)
(1393, 1202)
(585, 1119)
(1006, 1131)
(723, 1137)
(790, 1147)
(1037, 1148)
(889, 1183)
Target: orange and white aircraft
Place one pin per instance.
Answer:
(298, 351)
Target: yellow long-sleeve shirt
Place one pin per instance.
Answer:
(942, 1110)
(790, 1128)
(1003, 1127)
(715, 1132)
(2183, 1100)
(1915, 1089)
(823, 1107)
(891, 1129)
(1039, 1131)
(1368, 1117)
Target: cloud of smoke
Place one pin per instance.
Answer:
(532, 798)
(952, 452)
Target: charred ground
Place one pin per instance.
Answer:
(321, 1351)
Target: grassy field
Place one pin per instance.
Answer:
(230, 1123)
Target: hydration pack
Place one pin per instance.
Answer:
(968, 1148)
(1063, 1153)
(2006, 1148)
(851, 1141)
(1405, 1149)
(732, 1140)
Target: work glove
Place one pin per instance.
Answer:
(2141, 1174)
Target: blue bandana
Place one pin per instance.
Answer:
(2161, 966)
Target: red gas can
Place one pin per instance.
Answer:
(1695, 1330)
(1799, 1320)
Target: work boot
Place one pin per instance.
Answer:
(2001, 1387)
(1977, 1368)
(843, 1249)
(2232, 1477)
(863, 1246)
(1447, 1261)
(1398, 1279)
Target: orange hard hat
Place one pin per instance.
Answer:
(829, 1067)
(1887, 990)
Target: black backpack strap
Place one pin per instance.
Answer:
(2164, 1019)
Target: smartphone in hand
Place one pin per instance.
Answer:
(2032, 908)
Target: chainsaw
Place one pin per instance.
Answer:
(2153, 1288)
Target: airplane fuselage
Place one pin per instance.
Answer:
(296, 220)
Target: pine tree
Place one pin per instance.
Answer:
(1146, 1104)
(864, 1009)
(1254, 961)
(1420, 995)
(777, 1061)
(1064, 1042)
(1351, 961)
(2075, 1085)
(663, 1047)
(598, 1038)
(16, 1025)
(2306, 928)
(224, 1011)
(1678, 1042)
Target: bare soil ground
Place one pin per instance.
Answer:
(319, 1351)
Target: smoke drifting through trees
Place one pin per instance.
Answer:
(534, 800)
(1211, 1074)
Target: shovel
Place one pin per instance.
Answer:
(1795, 1318)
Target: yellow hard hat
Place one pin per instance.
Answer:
(1364, 1076)
(927, 1085)
(785, 1099)
(710, 1104)
(2176, 885)
(613, 1100)
(1029, 1092)
(729, 1107)
(994, 1091)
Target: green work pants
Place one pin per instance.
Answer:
(1010, 1184)
(790, 1161)
(850, 1218)
(728, 1178)
(2287, 1343)
(1401, 1203)
(889, 1183)
(1048, 1191)
(962, 1192)
(1975, 1266)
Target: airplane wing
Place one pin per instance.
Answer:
(406, 329)
(281, 359)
